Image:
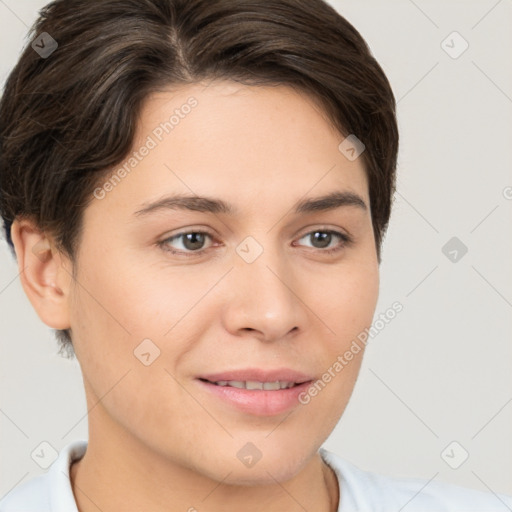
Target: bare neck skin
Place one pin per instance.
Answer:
(131, 481)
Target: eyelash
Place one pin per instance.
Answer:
(346, 240)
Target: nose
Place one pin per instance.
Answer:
(264, 298)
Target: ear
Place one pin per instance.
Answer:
(45, 274)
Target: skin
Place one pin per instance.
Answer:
(155, 436)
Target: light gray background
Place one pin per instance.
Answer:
(440, 371)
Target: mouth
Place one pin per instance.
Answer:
(253, 384)
(256, 392)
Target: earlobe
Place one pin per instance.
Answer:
(42, 274)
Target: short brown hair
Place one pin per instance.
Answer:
(66, 119)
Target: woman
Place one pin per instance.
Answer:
(197, 192)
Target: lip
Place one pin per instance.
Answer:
(257, 402)
(260, 375)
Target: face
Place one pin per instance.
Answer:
(170, 298)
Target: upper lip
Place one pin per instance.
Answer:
(259, 375)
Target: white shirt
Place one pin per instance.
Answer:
(360, 491)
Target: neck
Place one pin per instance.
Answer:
(114, 474)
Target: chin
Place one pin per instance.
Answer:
(279, 465)
(259, 476)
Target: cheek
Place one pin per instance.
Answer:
(347, 302)
(348, 306)
(119, 298)
(123, 317)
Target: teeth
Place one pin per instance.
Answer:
(236, 384)
(252, 384)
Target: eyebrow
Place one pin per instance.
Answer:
(326, 202)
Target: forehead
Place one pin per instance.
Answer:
(225, 112)
(247, 145)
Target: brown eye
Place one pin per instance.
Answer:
(322, 240)
(191, 242)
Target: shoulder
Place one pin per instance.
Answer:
(364, 491)
(49, 492)
(28, 496)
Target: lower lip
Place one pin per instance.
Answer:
(257, 401)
